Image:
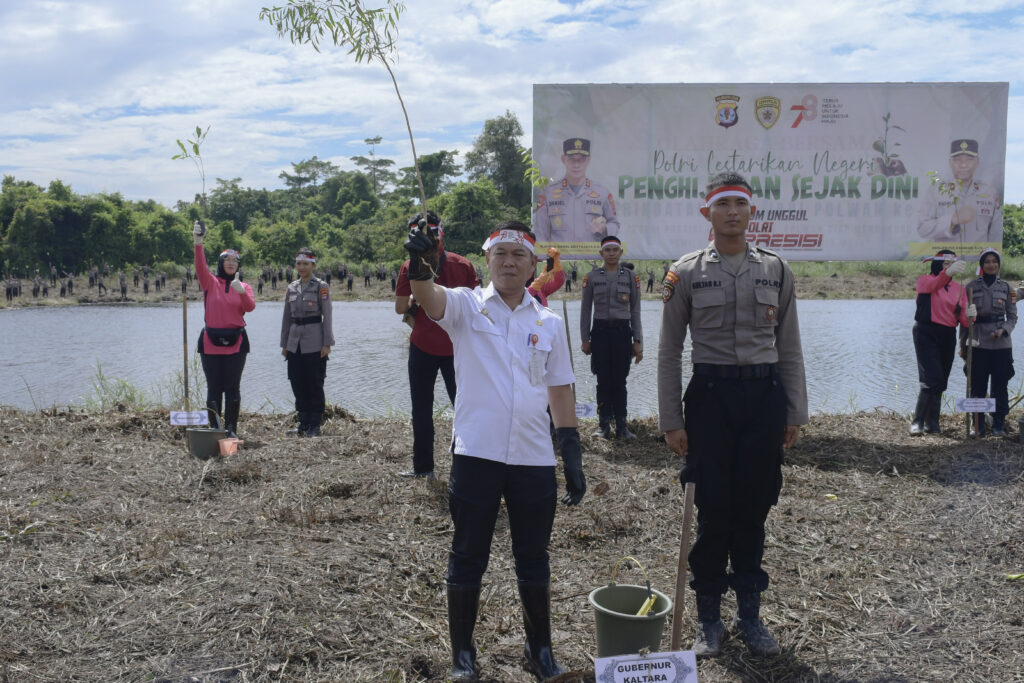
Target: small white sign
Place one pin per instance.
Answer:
(586, 409)
(657, 667)
(976, 405)
(182, 418)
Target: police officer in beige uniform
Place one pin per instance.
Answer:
(575, 208)
(964, 209)
(307, 335)
(612, 293)
(744, 403)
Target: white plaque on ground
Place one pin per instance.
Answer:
(976, 405)
(182, 418)
(657, 667)
(586, 409)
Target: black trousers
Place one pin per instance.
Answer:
(306, 373)
(735, 429)
(223, 375)
(475, 490)
(611, 350)
(423, 369)
(935, 346)
(997, 365)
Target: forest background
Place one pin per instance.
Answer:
(355, 217)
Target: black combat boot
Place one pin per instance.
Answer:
(622, 431)
(750, 627)
(231, 409)
(920, 414)
(710, 628)
(313, 421)
(538, 659)
(463, 602)
(931, 423)
(998, 425)
(213, 410)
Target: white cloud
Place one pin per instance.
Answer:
(96, 92)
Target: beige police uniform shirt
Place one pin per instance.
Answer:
(742, 318)
(306, 301)
(574, 214)
(611, 295)
(997, 300)
(941, 203)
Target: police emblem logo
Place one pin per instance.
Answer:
(727, 110)
(667, 291)
(767, 111)
(556, 221)
(541, 201)
(594, 194)
(769, 315)
(586, 280)
(323, 293)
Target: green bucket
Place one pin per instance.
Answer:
(619, 630)
(204, 443)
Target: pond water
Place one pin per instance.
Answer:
(859, 356)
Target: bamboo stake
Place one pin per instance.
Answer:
(684, 550)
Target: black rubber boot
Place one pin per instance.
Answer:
(931, 423)
(213, 410)
(538, 659)
(231, 409)
(463, 602)
(751, 629)
(920, 414)
(313, 423)
(710, 628)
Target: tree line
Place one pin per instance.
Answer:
(345, 216)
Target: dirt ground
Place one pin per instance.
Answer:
(124, 559)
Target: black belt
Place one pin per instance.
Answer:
(611, 324)
(990, 319)
(736, 371)
(308, 321)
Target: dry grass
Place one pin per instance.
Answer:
(296, 560)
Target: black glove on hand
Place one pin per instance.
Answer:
(568, 439)
(422, 247)
(550, 264)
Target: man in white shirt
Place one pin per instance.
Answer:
(511, 362)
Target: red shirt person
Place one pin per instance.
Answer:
(430, 349)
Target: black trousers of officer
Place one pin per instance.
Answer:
(935, 346)
(611, 350)
(996, 364)
(423, 369)
(735, 429)
(475, 489)
(306, 373)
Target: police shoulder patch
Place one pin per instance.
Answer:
(586, 279)
(324, 293)
(672, 277)
(637, 278)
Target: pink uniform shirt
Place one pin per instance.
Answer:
(223, 309)
(944, 299)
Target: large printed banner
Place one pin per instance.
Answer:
(851, 171)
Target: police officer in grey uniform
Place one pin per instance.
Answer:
(995, 315)
(307, 335)
(744, 403)
(575, 208)
(612, 293)
(964, 209)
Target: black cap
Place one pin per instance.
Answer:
(579, 146)
(963, 146)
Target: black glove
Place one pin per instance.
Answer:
(550, 265)
(568, 439)
(422, 248)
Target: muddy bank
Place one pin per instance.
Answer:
(308, 560)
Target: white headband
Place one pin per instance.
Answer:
(510, 237)
(727, 191)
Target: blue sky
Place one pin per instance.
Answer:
(95, 92)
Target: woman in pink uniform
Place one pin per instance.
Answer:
(941, 304)
(223, 342)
